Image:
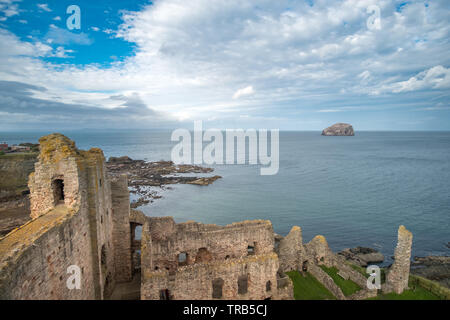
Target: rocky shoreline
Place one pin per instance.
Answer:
(362, 256)
(436, 268)
(147, 179)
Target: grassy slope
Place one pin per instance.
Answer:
(308, 288)
(348, 287)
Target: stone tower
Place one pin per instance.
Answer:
(74, 222)
(398, 274)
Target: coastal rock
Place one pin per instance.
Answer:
(435, 268)
(362, 256)
(145, 178)
(118, 160)
(204, 181)
(339, 129)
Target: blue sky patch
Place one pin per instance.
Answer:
(93, 43)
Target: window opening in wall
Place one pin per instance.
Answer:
(217, 286)
(242, 284)
(164, 294)
(268, 286)
(58, 190)
(182, 259)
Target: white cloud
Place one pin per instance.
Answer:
(247, 91)
(191, 58)
(9, 8)
(64, 36)
(44, 6)
(437, 77)
(330, 110)
(57, 18)
(95, 29)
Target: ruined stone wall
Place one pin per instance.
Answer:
(398, 275)
(121, 231)
(99, 205)
(319, 251)
(42, 195)
(291, 251)
(35, 258)
(348, 272)
(196, 281)
(326, 280)
(40, 255)
(206, 242)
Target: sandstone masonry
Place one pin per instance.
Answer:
(398, 275)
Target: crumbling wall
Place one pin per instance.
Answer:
(398, 275)
(42, 195)
(347, 272)
(121, 231)
(231, 257)
(211, 242)
(291, 251)
(319, 251)
(68, 188)
(101, 221)
(196, 281)
(35, 258)
(326, 280)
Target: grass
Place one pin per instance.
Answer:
(306, 287)
(348, 287)
(417, 293)
(19, 155)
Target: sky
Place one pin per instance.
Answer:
(288, 65)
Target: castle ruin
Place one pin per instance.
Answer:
(81, 217)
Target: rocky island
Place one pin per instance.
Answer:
(339, 129)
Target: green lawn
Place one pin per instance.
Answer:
(306, 287)
(418, 293)
(348, 287)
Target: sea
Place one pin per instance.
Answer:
(355, 191)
